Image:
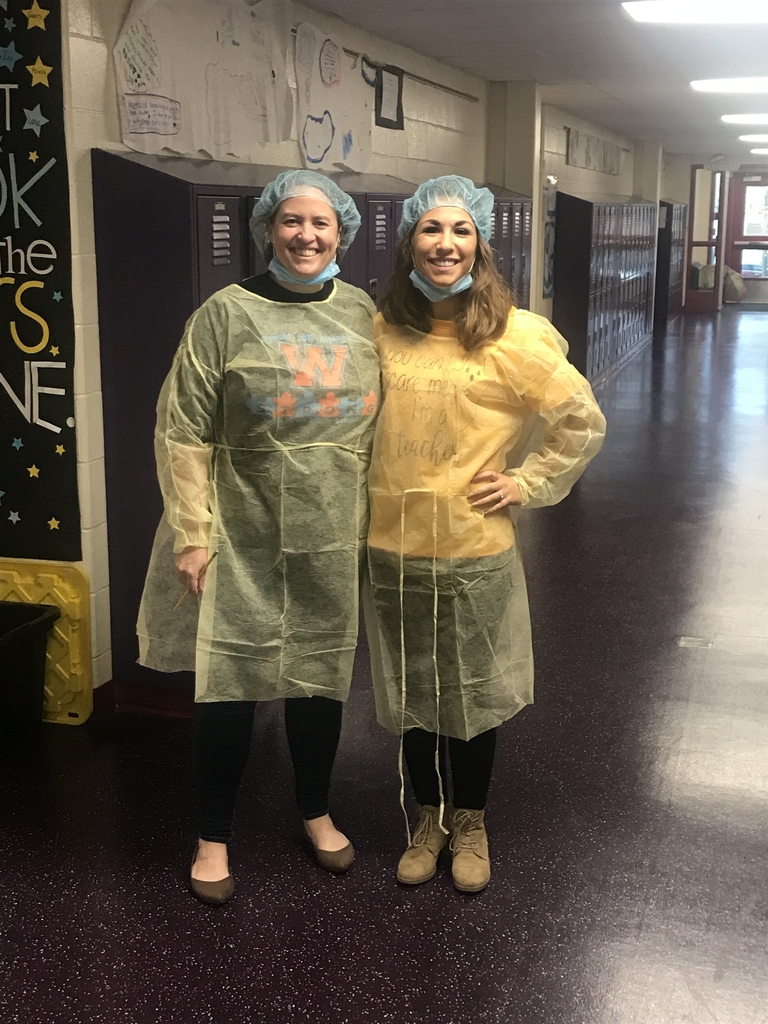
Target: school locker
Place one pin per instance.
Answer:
(511, 223)
(670, 261)
(604, 275)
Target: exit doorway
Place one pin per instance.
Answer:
(747, 234)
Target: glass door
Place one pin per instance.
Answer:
(706, 239)
(748, 226)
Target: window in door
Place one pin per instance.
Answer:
(755, 210)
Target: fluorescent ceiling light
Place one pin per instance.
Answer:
(745, 118)
(753, 138)
(762, 152)
(699, 12)
(731, 85)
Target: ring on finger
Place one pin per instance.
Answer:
(499, 496)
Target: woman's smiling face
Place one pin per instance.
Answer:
(305, 235)
(444, 245)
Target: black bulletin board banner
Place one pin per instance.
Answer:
(39, 509)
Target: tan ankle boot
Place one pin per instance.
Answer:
(471, 867)
(419, 862)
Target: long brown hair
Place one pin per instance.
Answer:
(485, 305)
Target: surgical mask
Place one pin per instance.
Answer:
(286, 277)
(435, 293)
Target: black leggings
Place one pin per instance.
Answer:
(471, 767)
(222, 740)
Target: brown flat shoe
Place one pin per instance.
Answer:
(212, 893)
(335, 861)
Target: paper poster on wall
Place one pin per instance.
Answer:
(39, 507)
(334, 103)
(592, 154)
(389, 98)
(204, 77)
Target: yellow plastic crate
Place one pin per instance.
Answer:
(68, 672)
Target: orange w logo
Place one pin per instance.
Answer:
(304, 367)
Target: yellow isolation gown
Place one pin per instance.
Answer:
(263, 441)
(447, 610)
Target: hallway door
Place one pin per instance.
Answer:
(747, 245)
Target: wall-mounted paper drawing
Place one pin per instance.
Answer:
(317, 137)
(334, 103)
(204, 77)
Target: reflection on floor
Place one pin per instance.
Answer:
(628, 818)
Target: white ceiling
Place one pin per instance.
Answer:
(591, 59)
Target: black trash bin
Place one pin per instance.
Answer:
(24, 632)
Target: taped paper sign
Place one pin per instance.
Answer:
(204, 77)
(334, 101)
(156, 115)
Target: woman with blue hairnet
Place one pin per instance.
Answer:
(464, 374)
(264, 433)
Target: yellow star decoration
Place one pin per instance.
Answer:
(33, 471)
(54, 523)
(39, 72)
(54, 350)
(36, 16)
(33, 156)
(60, 449)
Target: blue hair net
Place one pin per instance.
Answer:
(449, 190)
(305, 183)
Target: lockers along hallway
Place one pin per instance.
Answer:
(628, 816)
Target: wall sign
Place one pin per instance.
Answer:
(389, 97)
(592, 154)
(39, 509)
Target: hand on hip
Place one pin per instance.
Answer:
(493, 492)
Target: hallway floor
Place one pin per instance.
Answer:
(628, 815)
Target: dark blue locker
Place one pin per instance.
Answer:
(524, 273)
(381, 244)
(354, 265)
(399, 203)
(511, 241)
(500, 238)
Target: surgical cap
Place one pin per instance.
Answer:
(305, 183)
(449, 190)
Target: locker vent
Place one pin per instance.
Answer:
(527, 219)
(380, 232)
(505, 224)
(493, 223)
(221, 252)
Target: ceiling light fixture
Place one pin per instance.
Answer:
(745, 118)
(731, 85)
(699, 12)
(762, 152)
(753, 138)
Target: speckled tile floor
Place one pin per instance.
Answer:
(628, 817)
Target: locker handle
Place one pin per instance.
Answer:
(373, 289)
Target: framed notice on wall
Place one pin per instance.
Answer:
(39, 510)
(389, 97)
